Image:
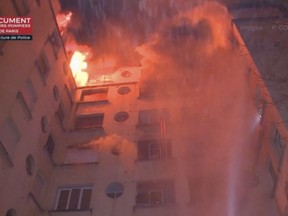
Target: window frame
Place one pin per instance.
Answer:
(89, 126)
(147, 155)
(43, 66)
(97, 91)
(166, 189)
(80, 197)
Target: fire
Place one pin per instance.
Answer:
(78, 66)
(63, 20)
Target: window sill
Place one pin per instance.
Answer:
(164, 205)
(155, 160)
(74, 210)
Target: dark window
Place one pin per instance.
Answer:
(55, 42)
(155, 193)
(279, 147)
(86, 198)
(24, 105)
(274, 177)
(121, 116)
(2, 44)
(50, 145)
(60, 113)
(74, 198)
(11, 212)
(43, 66)
(21, 7)
(55, 93)
(92, 95)
(68, 93)
(90, 121)
(44, 124)
(154, 149)
(30, 164)
(124, 90)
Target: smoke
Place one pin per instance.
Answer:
(192, 59)
(185, 52)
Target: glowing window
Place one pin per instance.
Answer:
(121, 116)
(114, 190)
(77, 198)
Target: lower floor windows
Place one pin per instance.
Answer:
(77, 198)
(89, 121)
(154, 149)
(153, 193)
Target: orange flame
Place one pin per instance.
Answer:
(63, 20)
(78, 64)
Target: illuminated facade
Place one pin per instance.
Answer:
(109, 147)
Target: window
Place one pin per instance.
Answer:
(29, 94)
(121, 116)
(11, 212)
(24, 106)
(21, 7)
(44, 124)
(68, 93)
(153, 116)
(55, 42)
(114, 190)
(154, 149)
(50, 146)
(10, 136)
(274, 177)
(123, 90)
(55, 93)
(30, 164)
(89, 121)
(43, 66)
(77, 198)
(93, 95)
(10, 133)
(153, 193)
(60, 113)
(278, 145)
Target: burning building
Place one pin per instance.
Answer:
(196, 128)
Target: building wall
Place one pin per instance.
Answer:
(26, 97)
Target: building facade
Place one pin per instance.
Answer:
(119, 147)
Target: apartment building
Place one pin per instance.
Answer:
(118, 146)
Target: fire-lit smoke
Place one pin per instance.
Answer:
(192, 61)
(186, 55)
(63, 19)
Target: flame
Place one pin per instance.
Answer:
(78, 66)
(63, 20)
